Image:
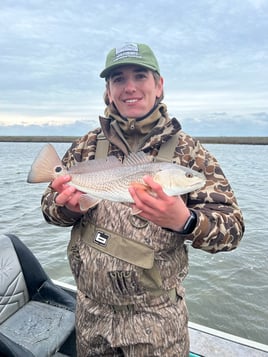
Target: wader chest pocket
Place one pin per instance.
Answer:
(120, 247)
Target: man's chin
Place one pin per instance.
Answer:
(134, 113)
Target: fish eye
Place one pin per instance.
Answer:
(58, 169)
(189, 175)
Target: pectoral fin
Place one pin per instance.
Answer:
(86, 202)
(135, 211)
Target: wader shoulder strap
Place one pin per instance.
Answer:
(166, 151)
(101, 147)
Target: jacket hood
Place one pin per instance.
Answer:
(132, 135)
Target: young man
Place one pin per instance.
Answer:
(129, 307)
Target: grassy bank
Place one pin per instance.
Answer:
(246, 140)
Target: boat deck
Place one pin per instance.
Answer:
(210, 343)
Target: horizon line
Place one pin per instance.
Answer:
(246, 140)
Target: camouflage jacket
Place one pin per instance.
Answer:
(219, 220)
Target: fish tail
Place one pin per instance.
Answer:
(43, 167)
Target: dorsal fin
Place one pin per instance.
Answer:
(137, 159)
(95, 165)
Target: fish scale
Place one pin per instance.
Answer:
(111, 184)
(110, 179)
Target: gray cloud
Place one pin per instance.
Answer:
(52, 53)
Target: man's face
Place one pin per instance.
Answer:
(133, 90)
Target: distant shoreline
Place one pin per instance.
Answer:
(245, 140)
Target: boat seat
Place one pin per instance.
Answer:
(37, 317)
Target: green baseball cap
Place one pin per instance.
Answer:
(131, 53)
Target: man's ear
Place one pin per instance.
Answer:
(160, 87)
(108, 93)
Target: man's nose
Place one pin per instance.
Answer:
(130, 86)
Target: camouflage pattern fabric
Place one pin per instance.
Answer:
(159, 329)
(125, 309)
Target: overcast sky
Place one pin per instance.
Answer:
(213, 55)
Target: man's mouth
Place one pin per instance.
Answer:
(134, 100)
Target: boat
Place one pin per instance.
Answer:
(37, 314)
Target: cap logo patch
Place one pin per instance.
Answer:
(129, 50)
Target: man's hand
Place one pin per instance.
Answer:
(159, 208)
(68, 196)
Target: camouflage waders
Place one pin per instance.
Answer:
(144, 331)
(129, 276)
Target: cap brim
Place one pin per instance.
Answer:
(105, 73)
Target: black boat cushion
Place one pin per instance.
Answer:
(39, 328)
(36, 316)
(13, 289)
(10, 348)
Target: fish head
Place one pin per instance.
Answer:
(179, 180)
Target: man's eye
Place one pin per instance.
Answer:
(118, 79)
(140, 76)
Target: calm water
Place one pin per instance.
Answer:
(226, 291)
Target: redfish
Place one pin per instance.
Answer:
(109, 179)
